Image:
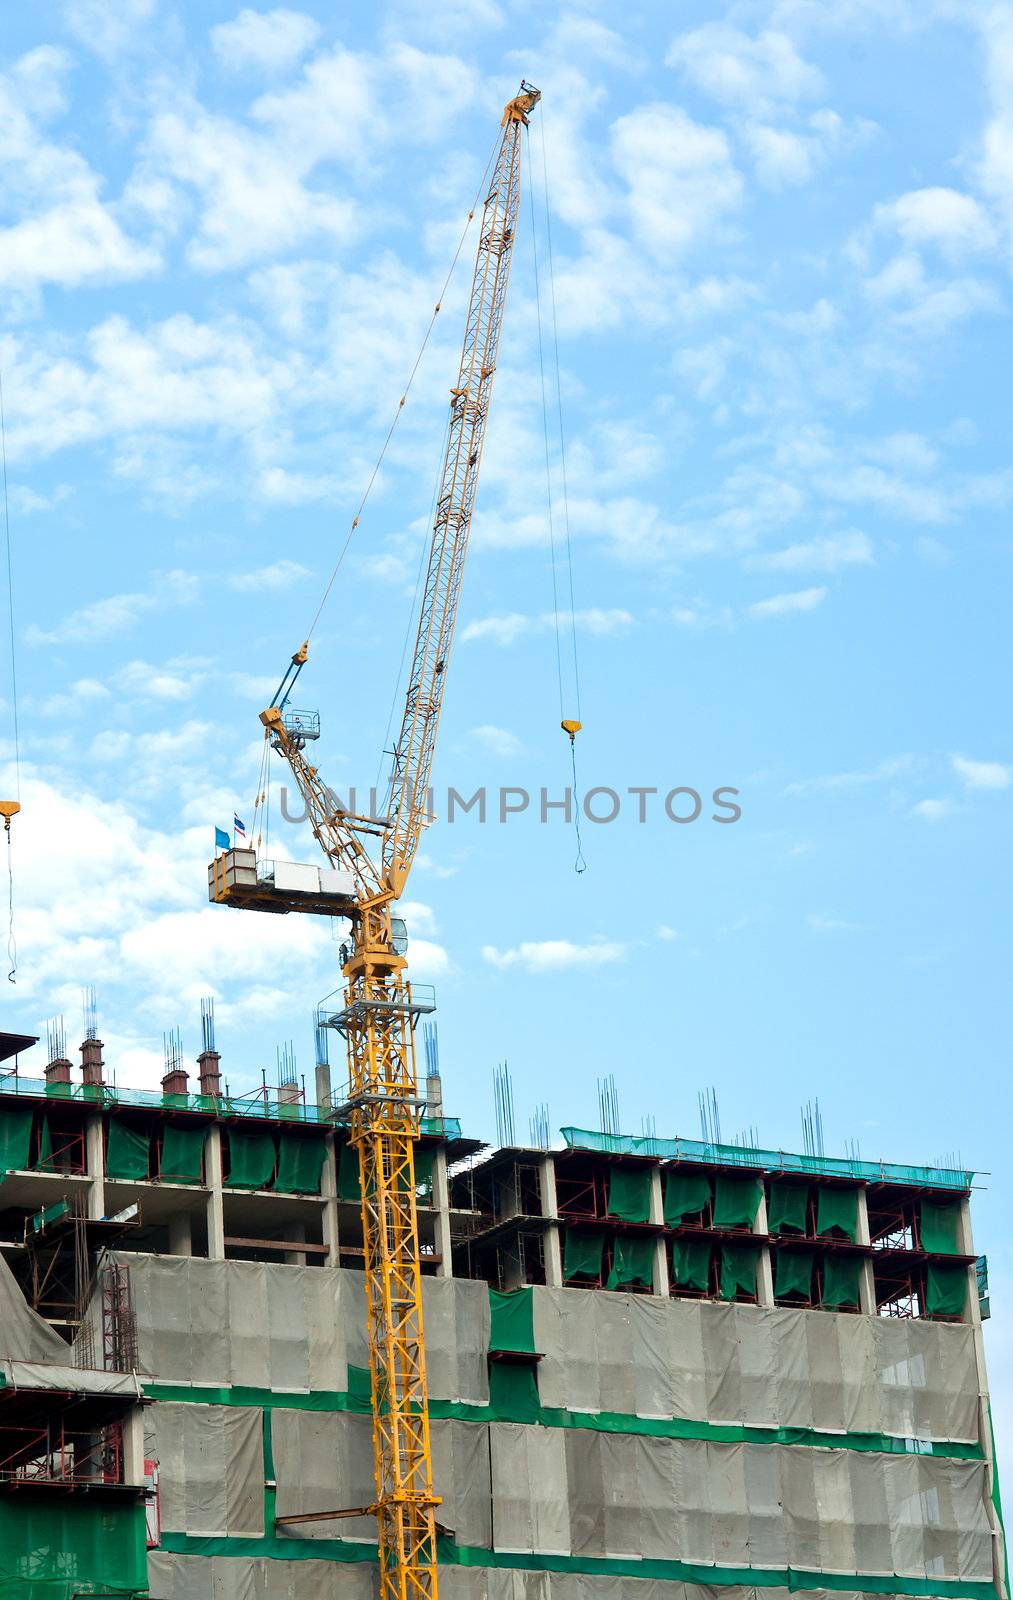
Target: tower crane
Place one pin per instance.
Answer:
(369, 860)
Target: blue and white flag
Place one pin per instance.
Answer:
(222, 840)
(238, 828)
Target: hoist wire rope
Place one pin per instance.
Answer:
(548, 464)
(12, 946)
(404, 396)
(559, 413)
(580, 864)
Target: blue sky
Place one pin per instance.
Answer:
(782, 242)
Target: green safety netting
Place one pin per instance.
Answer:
(787, 1207)
(686, 1195)
(300, 1163)
(582, 1254)
(513, 1391)
(632, 1262)
(837, 1209)
(945, 1290)
(793, 1273)
(52, 1549)
(736, 1201)
(840, 1280)
(940, 1227)
(45, 1156)
(511, 1320)
(738, 1270)
(773, 1161)
(691, 1262)
(425, 1156)
(251, 1160)
(349, 1186)
(127, 1151)
(630, 1193)
(15, 1138)
(182, 1154)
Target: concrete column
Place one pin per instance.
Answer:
(547, 1186)
(322, 1084)
(133, 1446)
(656, 1214)
(552, 1248)
(764, 1265)
(553, 1251)
(441, 1214)
(216, 1204)
(965, 1244)
(180, 1235)
(95, 1162)
(866, 1275)
(329, 1190)
(297, 1233)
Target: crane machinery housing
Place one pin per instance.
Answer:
(364, 884)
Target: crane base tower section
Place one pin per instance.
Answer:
(658, 1370)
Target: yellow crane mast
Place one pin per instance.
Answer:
(378, 1018)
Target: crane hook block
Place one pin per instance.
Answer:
(571, 727)
(8, 809)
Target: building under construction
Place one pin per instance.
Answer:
(655, 1366)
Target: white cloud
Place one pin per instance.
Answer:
(782, 605)
(271, 40)
(702, 614)
(65, 232)
(820, 922)
(254, 201)
(828, 553)
(117, 613)
(498, 741)
(932, 810)
(108, 29)
(503, 630)
(126, 907)
(982, 774)
(554, 955)
(740, 70)
(141, 681)
(83, 693)
(667, 934)
(995, 166)
(954, 222)
(680, 176)
(600, 622)
(279, 575)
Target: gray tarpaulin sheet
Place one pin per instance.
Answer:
(75, 1380)
(763, 1367)
(24, 1335)
(559, 1491)
(323, 1461)
(247, 1578)
(211, 1467)
(529, 1484)
(241, 1322)
(748, 1505)
(267, 1325)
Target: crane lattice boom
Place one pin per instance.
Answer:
(378, 1018)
